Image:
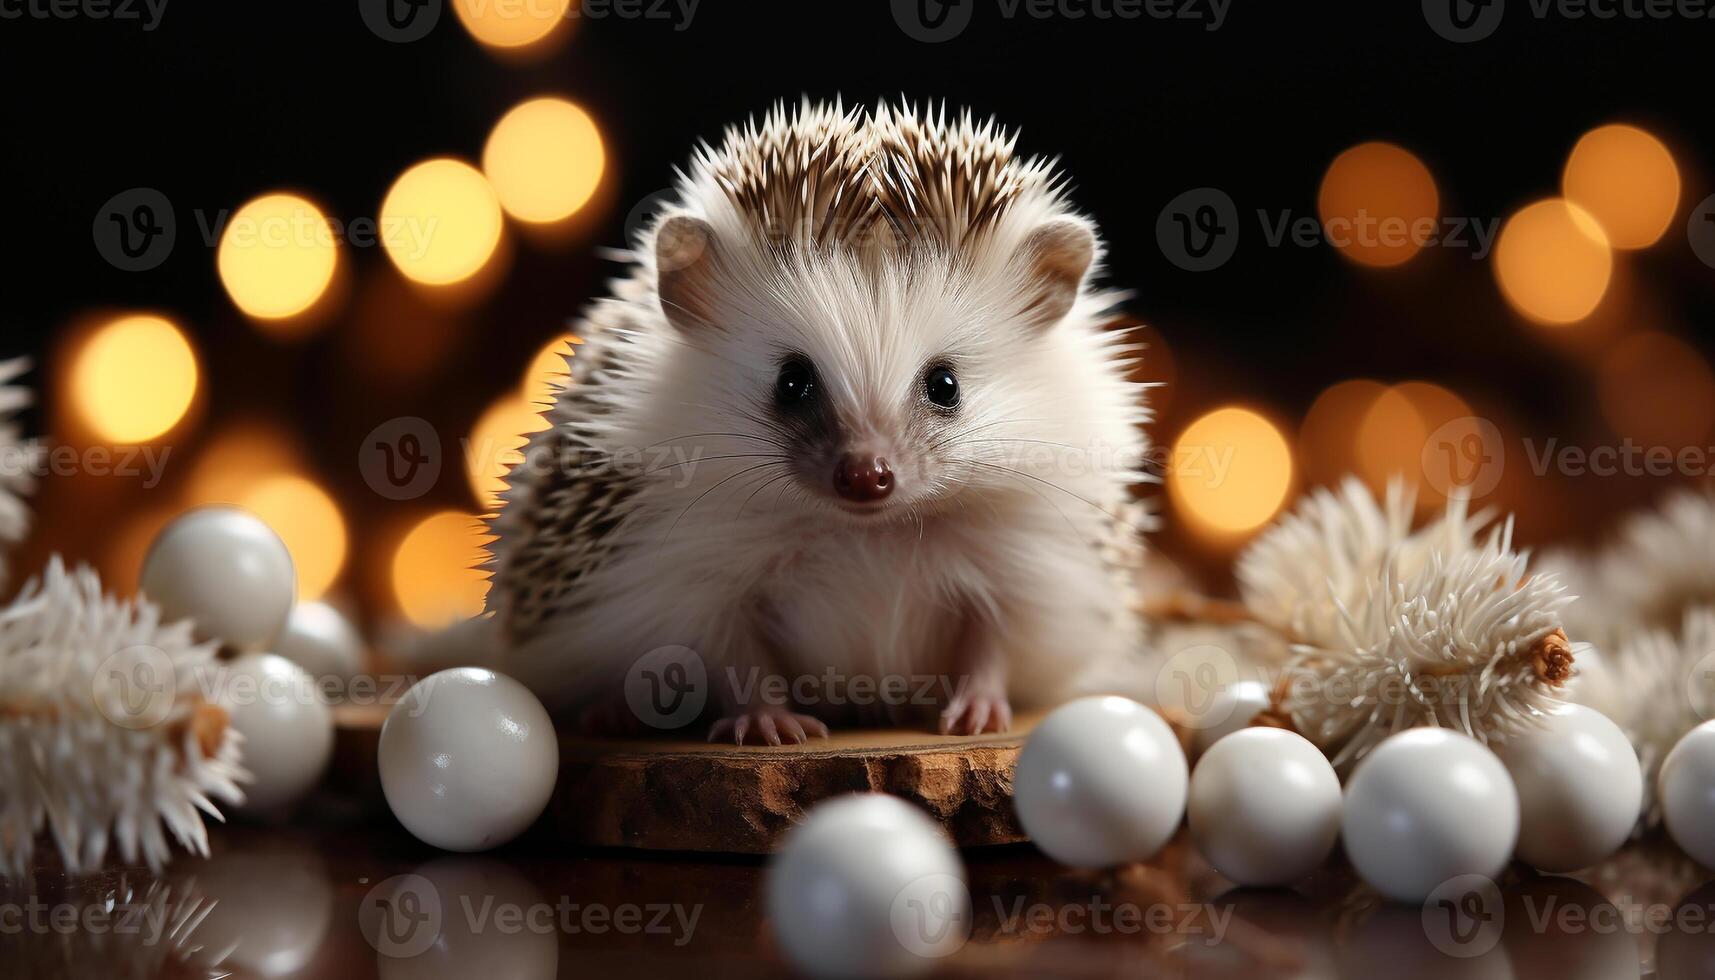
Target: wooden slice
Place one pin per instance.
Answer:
(677, 795)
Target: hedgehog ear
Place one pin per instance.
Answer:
(685, 270)
(1059, 253)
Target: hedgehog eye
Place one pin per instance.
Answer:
(942, 387)
(796, 384)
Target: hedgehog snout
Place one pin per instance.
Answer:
(862, 478)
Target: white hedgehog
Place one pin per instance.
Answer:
(854, 414)
(17, 461)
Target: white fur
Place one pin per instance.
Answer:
(715, 554)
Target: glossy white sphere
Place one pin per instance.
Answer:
(1425, 806)
(1579, 788)
(1101, 781)
(321, 640)
(468, 759)
(1686, 788)
(287, 728)
(1264, 807)
(1229, 711)
(867, 885)
(227, 571)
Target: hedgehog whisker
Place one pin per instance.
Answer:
(718, 484)
(1051, 483)
(705, 459)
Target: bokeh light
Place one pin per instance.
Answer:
(1378, 204)
(435, 576)
(1553, 262)
(496, 443)
(1327, 436)
(1230, 471)
(237, 458)
(276, 257)
(1391, 438)
(309, 522)
(544, 160)
(440, 222)
(1627, 180)
(548, 371)
(511, 23)
(134, 378)
(1658, 391)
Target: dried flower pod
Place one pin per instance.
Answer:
(106, 738)
(1391, 629)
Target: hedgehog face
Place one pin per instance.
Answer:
(889, 387)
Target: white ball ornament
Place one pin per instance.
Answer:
(1230, 710)
(1425, 806)
(321, 640)
(468, 759)
(867, 886)
(1686, 788)
(1101, 781)
(287, 729)
(1264, 807)
(227, 571)
(1580, 788)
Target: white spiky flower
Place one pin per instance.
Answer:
(105, 738)
(1391, 629)
(1657, 685)
(17, 475)
(1663, 562)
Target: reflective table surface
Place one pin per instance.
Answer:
(361, 898)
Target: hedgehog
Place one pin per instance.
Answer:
(857, 420)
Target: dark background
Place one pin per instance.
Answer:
(226, 100)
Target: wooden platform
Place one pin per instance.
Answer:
(675, 795)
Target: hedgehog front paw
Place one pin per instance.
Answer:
(973, 712)
(775, 726)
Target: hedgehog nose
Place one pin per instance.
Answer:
(864, 479)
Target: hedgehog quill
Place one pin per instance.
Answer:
(904, 440)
